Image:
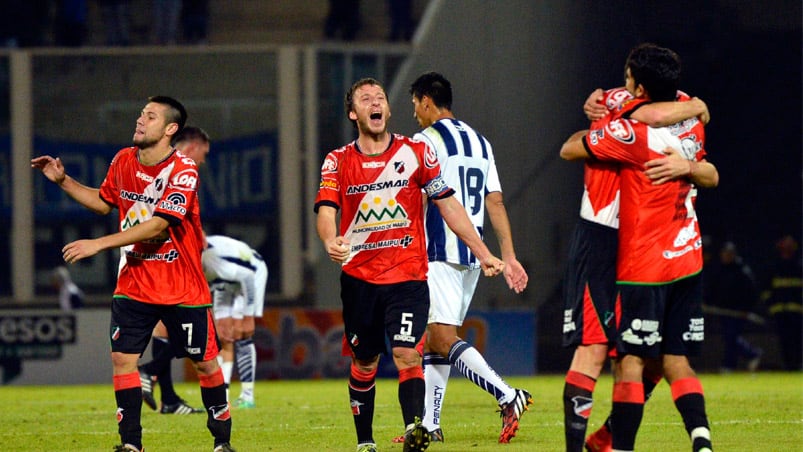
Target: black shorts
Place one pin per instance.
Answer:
(589, 286)
(661, 319)
(191, 329)
(377, 314)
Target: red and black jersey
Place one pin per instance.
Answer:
(164, 270)
(600, 203)
(380, 198)
(659, 238)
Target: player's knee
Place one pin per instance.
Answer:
(406, 357)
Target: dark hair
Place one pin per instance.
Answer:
(349, 101)
(176, 113)
(190, 133)
(435, 86)
(657, 69)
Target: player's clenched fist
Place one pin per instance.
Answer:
(492, 266)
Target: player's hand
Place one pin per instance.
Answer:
(515, 276)
(665, 169)
(492, 266)
(51, 167)
(705, 117)
(593, 107)
(338, 249)
(79, 249)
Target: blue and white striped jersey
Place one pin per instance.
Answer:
(468, 166)
(231, 262)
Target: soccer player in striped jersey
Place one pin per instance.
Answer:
(378, 182)
(467, 164)
(154, 189)
(590, 276)
(659, 301)
(237, 276)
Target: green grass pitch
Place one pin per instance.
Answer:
(747, 412)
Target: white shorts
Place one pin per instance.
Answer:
(228, 301)
(451, 287)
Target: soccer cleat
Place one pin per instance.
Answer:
(243, 404)
(511, 412)
(181, 407)
(416, 438)
(600, 441)
(366, 447)
(146, 380)
(225, 447)
(435, 436)
(127, 448)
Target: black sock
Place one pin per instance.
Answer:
(690, 402)
(362, 393)
(128, 395)
(626, 414)
(411, 399)
(577, 402)
(162, 360)
(217, 408)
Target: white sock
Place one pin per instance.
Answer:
(473, 366)
(227, 367)
(436, 376)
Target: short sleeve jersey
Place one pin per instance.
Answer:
(467, 165)
(380, 199)
(659, 237)
(600, 203)
(229, 260)
(165, 270)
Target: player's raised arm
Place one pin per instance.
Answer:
(88, 197)
(661, 114)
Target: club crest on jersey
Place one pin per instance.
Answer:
(430, 158)
(399, 167)
(329, 165)
(621, 130)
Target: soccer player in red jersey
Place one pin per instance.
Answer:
(590, 276)
(378, 182)
(659, 300)
(154, 188)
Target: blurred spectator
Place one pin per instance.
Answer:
(116, 16)
(401, 20)
(733, 296)
(343, 20)
(783, 295)
(71, 23)
(70, 296)
(165, 21)
(195, 21)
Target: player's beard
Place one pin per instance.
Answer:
(144, 142)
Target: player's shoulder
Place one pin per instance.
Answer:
(183, 162)
(126, 153)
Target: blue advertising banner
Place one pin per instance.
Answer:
(307, 343)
